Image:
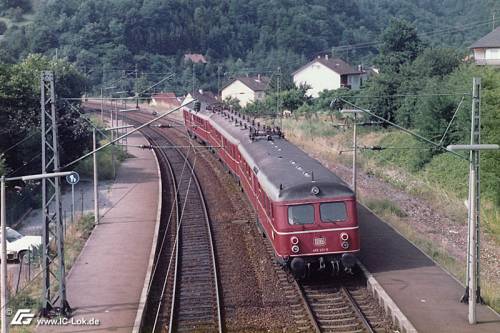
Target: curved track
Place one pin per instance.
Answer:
(191, 277)
(316, 307)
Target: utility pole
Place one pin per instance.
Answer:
(193, 78)
(102, 108)
(3, 272)
(354, 112)
(136, 88)
(218, 82)
(278, 91)
(96, 189)
(473, 289)
(51, 203)
(113, 145)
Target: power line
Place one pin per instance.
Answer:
(422, 138)
(407, 95)
(37, 131)
(362, 45)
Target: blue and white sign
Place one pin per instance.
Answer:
(73, 179)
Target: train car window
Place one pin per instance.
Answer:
(333, 212)
(300, 214)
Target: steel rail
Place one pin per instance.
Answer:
(175, 291)
(357, 309)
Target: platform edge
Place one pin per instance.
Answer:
(144, 294)
(390, 307)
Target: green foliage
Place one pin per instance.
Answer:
(448, 172)
(237, 37)
(3, 27)
(104, 163)
(402, 150)
(232, 103)
(20, 112)
(400, 45)
(385, 206)
(2, 165)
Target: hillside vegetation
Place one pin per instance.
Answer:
(105, 38)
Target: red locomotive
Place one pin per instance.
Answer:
(306, 211)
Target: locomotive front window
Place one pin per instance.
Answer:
(300, 214)
(333, 212)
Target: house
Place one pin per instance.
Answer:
(487, 49)
(206, 99)
(195, 57)
(246, 89)
(325, 73)
(167, 99)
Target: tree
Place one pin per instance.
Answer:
(3, 27)
(20, 112)
(400, 46)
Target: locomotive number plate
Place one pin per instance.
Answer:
(320, 241)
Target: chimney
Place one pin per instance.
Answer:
(200, 91)
(326, 56)
(360, 68)
(258, 77)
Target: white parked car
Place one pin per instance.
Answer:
(18, 245)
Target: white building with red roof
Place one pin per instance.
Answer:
(325, 73)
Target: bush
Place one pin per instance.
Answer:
(3, 27)
(104, 161)
(384, 206)
(403, 150)
(448, 172)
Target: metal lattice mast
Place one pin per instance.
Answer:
(52, 261)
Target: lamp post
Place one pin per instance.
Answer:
(3, 246)
(354, 112)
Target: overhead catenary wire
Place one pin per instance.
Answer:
(362, 45)
(451, 121)
(420, 137)
(127, 134)
(176, 242)
(37, 131)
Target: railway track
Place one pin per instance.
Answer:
(334, 309)
(324, 306)
(190, 294)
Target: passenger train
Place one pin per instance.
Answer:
(307, 212)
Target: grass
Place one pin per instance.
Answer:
(30, 297)
(442, 182)
(385, 207)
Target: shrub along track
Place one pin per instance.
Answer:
(257, 293)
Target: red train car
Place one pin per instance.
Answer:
(306, 211)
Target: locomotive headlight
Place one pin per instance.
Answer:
(345, 245)
(344, 236)
(295, 249)
(294, 240)
(315, 190)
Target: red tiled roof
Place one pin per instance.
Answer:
(195, 57)
(335, 64)
(166, 98)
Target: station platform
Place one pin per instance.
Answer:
(427, 295)
(107, 280)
